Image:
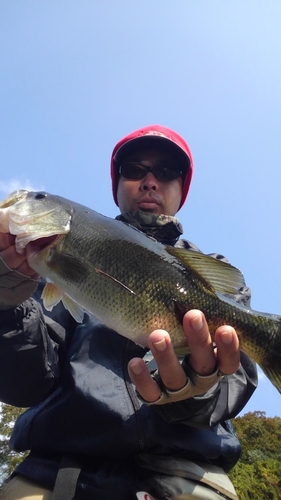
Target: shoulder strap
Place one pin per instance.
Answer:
(66, 480)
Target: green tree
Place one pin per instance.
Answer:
(258, 473)
(8, 458)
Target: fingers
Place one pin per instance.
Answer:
(17, 280)
(170, 369)
(11, 257)
(228, 353)
(6, 240)
(140, 376)
(203, 360)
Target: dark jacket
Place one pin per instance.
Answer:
(82, 404)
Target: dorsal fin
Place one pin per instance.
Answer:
(220, 276)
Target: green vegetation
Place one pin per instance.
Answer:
(8, 458)
(257, 476)
(258, 473)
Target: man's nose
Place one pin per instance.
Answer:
(149, 183)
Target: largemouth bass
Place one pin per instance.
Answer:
(129, 281)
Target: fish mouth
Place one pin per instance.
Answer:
(33, 248)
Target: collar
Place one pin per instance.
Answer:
(163, 228)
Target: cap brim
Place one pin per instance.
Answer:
(166, 145)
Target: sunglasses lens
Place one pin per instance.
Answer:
(162, 172)
(166, 172)
(133, 171)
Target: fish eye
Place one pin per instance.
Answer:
(40, 195)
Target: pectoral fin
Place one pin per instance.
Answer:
(73, 308)
(52, 295)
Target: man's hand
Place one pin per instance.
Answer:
(17, 280)
(203, 360)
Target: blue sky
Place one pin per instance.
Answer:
(76, 76)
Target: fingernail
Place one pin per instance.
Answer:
(197, 322)
(136, 368)
(226, 336)
(160, 345)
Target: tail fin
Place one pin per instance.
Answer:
(273, 373)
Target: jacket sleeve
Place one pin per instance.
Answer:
(32, 348)
(226, 399)
(222, 402)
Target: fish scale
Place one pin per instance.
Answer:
(129, 281)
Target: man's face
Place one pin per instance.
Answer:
(149, 194)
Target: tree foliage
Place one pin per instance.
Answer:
(258, 473)
(8, 458)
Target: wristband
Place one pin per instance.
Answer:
(196, 385)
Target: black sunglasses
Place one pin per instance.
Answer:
(162, 172)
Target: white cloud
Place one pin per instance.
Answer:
(11, 185)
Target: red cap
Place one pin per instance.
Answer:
(153, 136)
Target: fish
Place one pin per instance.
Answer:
(129, 281)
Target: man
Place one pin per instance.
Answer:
(103, 423)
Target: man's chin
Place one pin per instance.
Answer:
(151, 211)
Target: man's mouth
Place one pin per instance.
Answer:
(148, 203)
